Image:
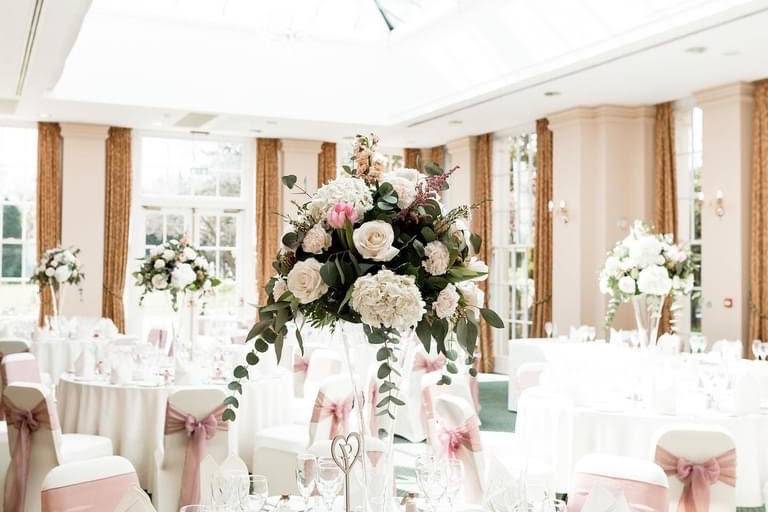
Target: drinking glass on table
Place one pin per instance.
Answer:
(454, 480)
(431, 476)
(306, 476)
(195, 508)
(548, 328)
(329, 481)
(229, 490)
(697, 343)
(258, 491)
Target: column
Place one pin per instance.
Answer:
(603, 176)
(727, 156)
(462, 153)
(298, 157)
(82, 216)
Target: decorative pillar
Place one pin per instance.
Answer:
(727, 157)
(82, 215)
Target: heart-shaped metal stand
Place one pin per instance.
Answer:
(345, 454)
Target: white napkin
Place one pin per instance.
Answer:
(502, 491)
(135, 500)
(601, 499)
(122, 371)
(85, 364)
(187, 373)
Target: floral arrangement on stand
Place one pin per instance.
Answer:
(647, 266)
(57, 267)
(175, 267)
(376, 248)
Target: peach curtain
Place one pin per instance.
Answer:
(437, 155)
(665, 198)
(326, 163)
(542, 250)
(758, 258)
(117, 216)
(481, 224)
(267, 206)
(49, 171)
(412, 158)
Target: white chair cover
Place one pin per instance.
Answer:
(135, 500)
(527, 376)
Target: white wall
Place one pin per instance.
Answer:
(298, 157)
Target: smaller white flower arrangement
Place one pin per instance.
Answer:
(176, 267)
(646, 264)
(57, 267)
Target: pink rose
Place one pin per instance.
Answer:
(339, 214)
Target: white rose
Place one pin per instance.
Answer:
(49, 272)
(188, 254)
(182, 276)
(405, 189)
(446, 303)
(374, 239)
(627, 285)
(305, 282)
(160, 281)
(156, 251)
(612, 266)
(62, 273)
(654, 280)
(159, 263)
(316, 240)
(279, 288)
(201, 262)
(388, 299)
(477, 265)
(646, 250)
(437, 258)
(169, 255)
(473, 297)
(68, 257)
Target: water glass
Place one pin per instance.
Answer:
(229, 490)
(306, 476)
(329, 481)
(431, 476)
(258, 491)
(454, 480)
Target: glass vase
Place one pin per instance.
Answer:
(374, 481)
(647, 310)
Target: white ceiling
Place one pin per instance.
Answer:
(326, 69)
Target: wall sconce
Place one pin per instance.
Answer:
(561, 210)
(718, 204)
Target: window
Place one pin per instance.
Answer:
(198, 189)
(18, 188)
(689, 121)
(511, 278)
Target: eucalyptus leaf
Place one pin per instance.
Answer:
(492, 318)
(289, 181)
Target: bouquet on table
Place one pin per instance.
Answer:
(175, 267)
(375, 247)
(57, 267)
(646, 266)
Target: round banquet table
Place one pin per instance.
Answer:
(556, 431)
(133, 416)
(57, 356)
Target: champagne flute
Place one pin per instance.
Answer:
(548, 329)
(329, 481)
(306, 476)
(454, 480)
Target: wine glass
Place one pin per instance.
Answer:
(329, 481)
(258, 491)
(757, 349)
(431, 477)
(454, 480)
(306, 475)
(698, 343)
(229, 489)
(548, 327)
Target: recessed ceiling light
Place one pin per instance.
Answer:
(44, 116)
(255, 130)
(455, 121)
(348, 138)
(696, 49)
(272, 122)
(552, 93)
(731, 53)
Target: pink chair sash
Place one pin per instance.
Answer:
(26, 423)
(198, 433)
(102, 494)
(463, 437)
(640, 496)
(338, 412)
(698, 477)
(423, 363)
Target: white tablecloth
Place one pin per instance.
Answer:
(57, 356)
(132, 416)
(560, 433)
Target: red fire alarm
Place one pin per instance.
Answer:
(728, 302)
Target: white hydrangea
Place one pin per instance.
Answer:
(386, 299)
(654, 280)
(446, 303)
(344, 189)
(437, 258)
(405, 189)
(182, 276)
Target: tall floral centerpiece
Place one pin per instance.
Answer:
(377, 249)
(646, 268)
(58, 267)
(177, 268)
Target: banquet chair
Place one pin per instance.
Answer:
(684, 453)
(13, 346)
(135, 500)
(411, 421)
(527, 376)
(323, 363)
(38, 445)
(93, 485)
(276, 447)
(193, 429)
(643, 483)
(430, 390)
